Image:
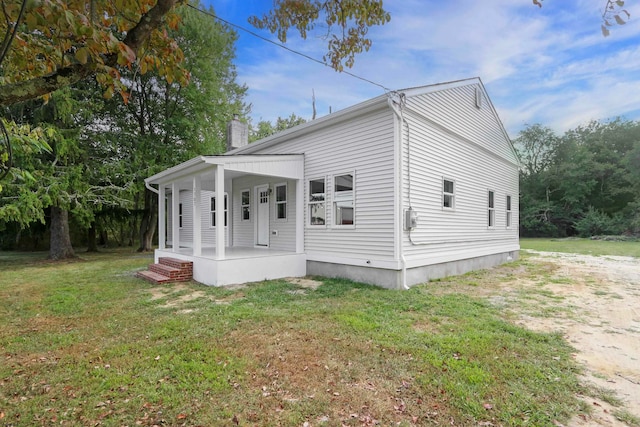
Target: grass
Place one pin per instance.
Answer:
(582, 246)
(86, 343)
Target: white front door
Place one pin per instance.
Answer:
(262, 223)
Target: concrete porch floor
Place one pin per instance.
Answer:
(241, 264)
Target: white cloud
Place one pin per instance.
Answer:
(548, 65)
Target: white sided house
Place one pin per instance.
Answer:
(406, 187)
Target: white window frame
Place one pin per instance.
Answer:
(508, 211)
(212, 212)
(180, 215)
(491, 209)
(245, 205)
(311, 203)
(281, 202)
(343, 197)
(451, 194)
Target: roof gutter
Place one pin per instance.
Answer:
(150, 188)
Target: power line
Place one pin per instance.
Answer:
(386, 89)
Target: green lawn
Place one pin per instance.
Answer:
(86, 343)
(582, 246)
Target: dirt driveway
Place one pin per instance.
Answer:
(594, 301)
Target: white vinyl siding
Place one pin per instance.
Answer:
(450, 136)
(364, 144)
(244, 231)
(455, 109)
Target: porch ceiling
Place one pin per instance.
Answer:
(290, 166)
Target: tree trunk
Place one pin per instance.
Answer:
(92, 244)
(149, 221)
(60, 241)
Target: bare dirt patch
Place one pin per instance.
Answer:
(594, 301)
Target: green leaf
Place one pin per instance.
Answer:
(82, 55)
(605, 31)
(620, 3)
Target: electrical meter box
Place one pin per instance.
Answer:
(410, 219)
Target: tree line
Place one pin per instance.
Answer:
(585, 182)
(73, 157)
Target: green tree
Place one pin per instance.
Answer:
(584, 182)
(60, 42)
(536, 146)
(265, 128)
(165, 123)
(59, 185)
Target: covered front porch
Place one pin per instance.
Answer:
(237, 218)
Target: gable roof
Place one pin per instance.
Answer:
(370, 105)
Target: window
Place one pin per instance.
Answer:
(245, 203)
(508, 208)
(317, 212)
(213, 211)
(343, 199)
(448, 194)
(281, 201)
(180, 215)
(492, 210)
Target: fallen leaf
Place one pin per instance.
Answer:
(181, 416)
(487, 406)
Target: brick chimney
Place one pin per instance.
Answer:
(237, 133)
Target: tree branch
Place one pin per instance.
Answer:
(68, 75)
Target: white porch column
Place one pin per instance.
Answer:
(220, 253)
(197, 216)
(300, 204)
(162, 217)
(175, 217)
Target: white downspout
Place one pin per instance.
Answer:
(403, 260)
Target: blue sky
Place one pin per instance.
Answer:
(548, 65)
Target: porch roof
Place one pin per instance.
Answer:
(290, 166)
